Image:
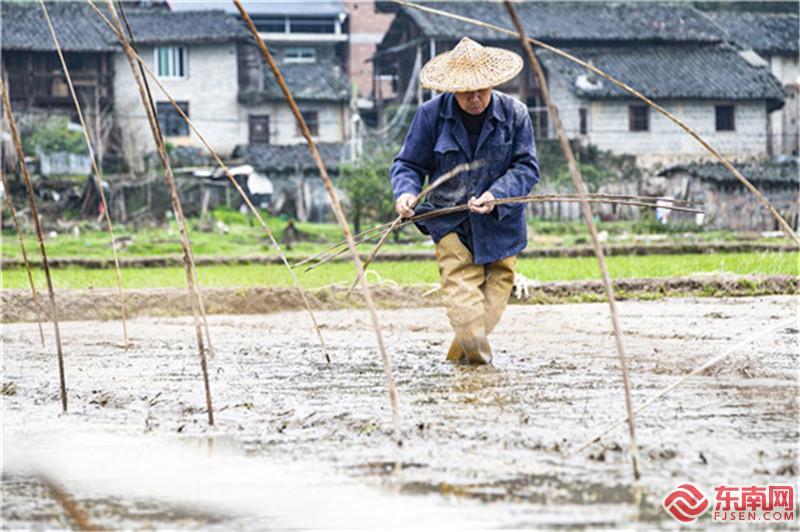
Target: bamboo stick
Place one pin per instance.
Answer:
(580, 186)
(145, 69)
(677, 121)
(327, 252)
(196, 281)
(337, 209)
(73, 510)
(97, 176)
(194, 294)
(565, 198)
(12, 124)
(432, 186)
(37, 303)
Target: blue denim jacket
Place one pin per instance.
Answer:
(437, 141)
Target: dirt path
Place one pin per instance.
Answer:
(487, 442)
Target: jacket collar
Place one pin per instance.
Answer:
(448, 111)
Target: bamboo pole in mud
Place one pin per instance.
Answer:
(447, 176)
(188, 260)
(787, 229)
(195, 285)
(73, 511)
(36, 302)
(337, 209)
(96, 171)
(580, 186)
(697, 371)
(542, 198)
(145, 69)
(12, 124)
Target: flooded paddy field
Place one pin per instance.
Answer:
(300, 443)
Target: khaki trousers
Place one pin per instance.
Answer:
(476, 295)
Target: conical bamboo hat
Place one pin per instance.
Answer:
(470, 67)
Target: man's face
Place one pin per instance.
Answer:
(474, 102)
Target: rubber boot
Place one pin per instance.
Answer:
(455, 353)
(475, 343)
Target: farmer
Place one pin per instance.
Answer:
(476, 248)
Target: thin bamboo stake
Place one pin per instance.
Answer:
(188, 260)
(711, 362)
(580, 186)
(466, 167)
(677, 121)
(97, 176)
(327, 252)
(200, 303)
(337, 209)
(564, 198)
(37, 303)
(73, 511)
(12, 124)
(145, 69)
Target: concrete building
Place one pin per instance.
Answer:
(673, 54)
(207, 61)
(776, 39)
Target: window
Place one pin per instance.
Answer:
(725, 118)
(304, 54)
(171, 123)
(312, 25)
(270, 24)
(312, 121)
(638, 118)
(583, 121)
(537, 108)
(259, 129)
(171, 61)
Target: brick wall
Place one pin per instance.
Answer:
(367, 28)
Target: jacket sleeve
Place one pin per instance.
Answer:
(415, 159)
(523, 173)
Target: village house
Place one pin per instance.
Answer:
(36, 83)
(205, 59)
(674, 54)
(776, 38)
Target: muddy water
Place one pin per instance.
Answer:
(299, 443)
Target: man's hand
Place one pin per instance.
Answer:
(403, 205)
(477, 205)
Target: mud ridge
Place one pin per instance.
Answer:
(102, 304)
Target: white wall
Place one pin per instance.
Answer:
(784, 122)
(211, 88)
(665, 143)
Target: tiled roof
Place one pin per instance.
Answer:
(666, 72)
(151, 26)
(767, 34)
(322, 81)
(785, 172)
(280, 158)
(572, 21)
(79, 29)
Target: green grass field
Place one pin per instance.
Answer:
(417, 272)
(244, 237)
